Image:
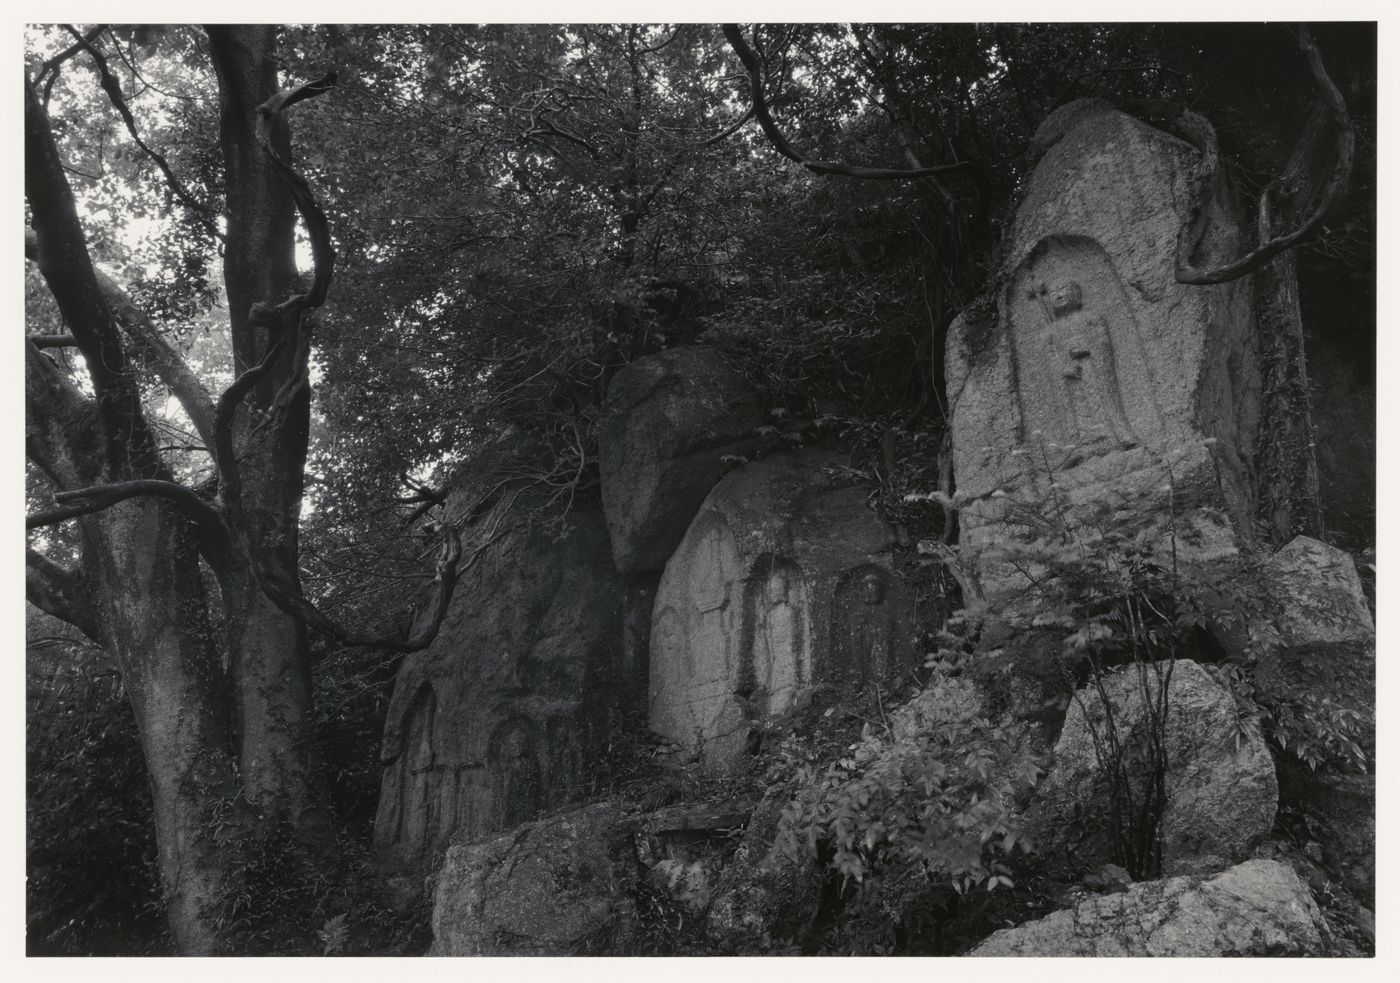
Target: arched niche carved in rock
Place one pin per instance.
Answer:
(865, 625)
(777, 633)
(1083, 377)
(409, 793)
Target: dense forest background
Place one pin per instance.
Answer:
(517, 212)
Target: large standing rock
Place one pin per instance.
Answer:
(1260, 908)
(783, 579)
(1323, 645)
(669, 420)
(557, 887)
(1136, 394)
(496, 719)
(1220, 785)
(1318, 660)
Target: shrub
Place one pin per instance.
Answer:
(933, 791)
(92, 887)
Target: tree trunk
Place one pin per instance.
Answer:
(1289, 496)
(142, 563)
(268, 660)
(268, 650)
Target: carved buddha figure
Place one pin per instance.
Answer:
(1081, 352)
(862, 634)
(779, 635)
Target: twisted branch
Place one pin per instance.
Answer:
(85, 501)
(113, 88)
(1199, 131)
(289, 325)
(783, 146)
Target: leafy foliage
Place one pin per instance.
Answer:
(92, 886)
(935, 792)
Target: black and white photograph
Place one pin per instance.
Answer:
(669, 487)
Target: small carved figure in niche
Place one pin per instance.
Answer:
(1081, 349)
(865, 624)
(713, 588)
(779, 613)
(416, 792)
(513, 771)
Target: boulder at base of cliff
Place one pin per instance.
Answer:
(1221, 791)
(1260, 908)
(557, 887)
(1323, 652)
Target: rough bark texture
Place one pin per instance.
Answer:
(143, 561)
(268, 649)
(1289, 500)
(142, 578)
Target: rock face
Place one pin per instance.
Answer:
(557, 887)
(1221, 792)
(783, 580)
(1324, 648)
(1136, 394)
(669, 419)
(497, 718)
(1260, 908)
(682, 850)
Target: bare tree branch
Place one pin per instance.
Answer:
(191, 393)
(112, 86)
(1202, 134)
(43, 76)
(60, 249)
(61, 592)
(85, 501)
(318, 229)
(42, 341)
(286, 593)
(727, 132)
(783, 146)
(173, 370)
(288, 324)
(60, 423)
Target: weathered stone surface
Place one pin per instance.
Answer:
(668, 420)
(683, 849)
(497, 718)
(1220, 787)
(782, 580)
(1259, 908)
(557, 887)
(1136, 394)
(1323, 644)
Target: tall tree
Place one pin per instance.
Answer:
(222, 707)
